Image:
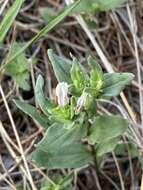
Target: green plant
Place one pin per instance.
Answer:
(77, 134)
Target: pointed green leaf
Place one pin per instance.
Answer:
(9, 18)
(96, 75)
(61, 67)
(44, 104)
(60, 148)
(32, 112)
(114, 83)
(78, 76)
(105, 128)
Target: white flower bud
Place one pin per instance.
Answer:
(62, 94)
(81, 101)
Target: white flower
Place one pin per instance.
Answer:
(81, 101)
(62, 94)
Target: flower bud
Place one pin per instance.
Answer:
(81, 101)
(62, 94)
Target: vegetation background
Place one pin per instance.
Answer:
(114, 38)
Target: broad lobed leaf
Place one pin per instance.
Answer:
(18, 68)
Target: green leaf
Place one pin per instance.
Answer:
(72, 107)
(19, 68)
(91, 105)
(66, 182)
(61, 114)
(85, 7)
(46, 29)
(78, 76)
(131, 150)
(62, 182)
(53, 187)
(114, 83)
(9, 18)
(22, 80)
(96, 75)
(93, 6)
(107, 146)
(47, 13)
(44, 104)
(106, 128)
(32, 112)
(109, 4)
(61, 67)
(60, 148)
(125, 149)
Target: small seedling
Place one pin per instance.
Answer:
(77, 134)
